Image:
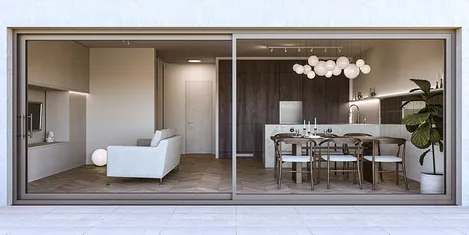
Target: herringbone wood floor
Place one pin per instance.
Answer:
(205, 174)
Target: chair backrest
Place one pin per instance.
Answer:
(344, 143)
(161, 135)
(292, 140)
(356, 134)
(391, 140)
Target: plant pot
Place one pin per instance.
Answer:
(432, 184)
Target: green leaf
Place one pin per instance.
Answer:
(436, 110)
(421, 136)
(433, 95)
(423, 156)
(434, 135)
(424, 85)
(414, 90)
(412, 100)
(441, 146)
(416, 118)
(411, 128)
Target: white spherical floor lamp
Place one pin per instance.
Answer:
(99, 157)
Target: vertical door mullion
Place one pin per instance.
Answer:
(21, 137)
(233, 114)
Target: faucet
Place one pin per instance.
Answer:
(351, 112)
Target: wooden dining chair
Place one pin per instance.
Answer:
(276, 138)
(352, 149)
(398, 158)
(298, 158)
(367, 148)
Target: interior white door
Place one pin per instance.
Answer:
(199, 117)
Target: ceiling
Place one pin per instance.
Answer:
(181, 51)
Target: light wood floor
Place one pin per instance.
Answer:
(205, 174)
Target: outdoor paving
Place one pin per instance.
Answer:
(257, 220)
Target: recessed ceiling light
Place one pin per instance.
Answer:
(194, 61)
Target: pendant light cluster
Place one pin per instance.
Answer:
(330, 67)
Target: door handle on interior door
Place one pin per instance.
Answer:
(190, 122)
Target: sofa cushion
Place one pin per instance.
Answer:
(161, 135)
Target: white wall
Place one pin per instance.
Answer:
(394, 62)
(175, 78)
(38, 95)
(149, 14)
(120, 105)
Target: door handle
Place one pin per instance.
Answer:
(30, 131)
(22, 130)
(190, 122)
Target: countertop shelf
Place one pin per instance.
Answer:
(45, 144)
(396, 94)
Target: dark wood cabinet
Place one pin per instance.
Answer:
(261, 85)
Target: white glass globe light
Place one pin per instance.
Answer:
(99, 157)
(352, 71)
(320, 68)
(299, 69)
(366, 69)
(330, 65)
(329, 74)
(294, 67)
(360, 63)
(313, 60)
(336, 71)
(307, 68)
(343, 62)
(311, 74)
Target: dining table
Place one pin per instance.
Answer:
(298, 148)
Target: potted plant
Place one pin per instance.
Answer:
(426, 127)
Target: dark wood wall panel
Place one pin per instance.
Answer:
(261, 84)
(391, 112)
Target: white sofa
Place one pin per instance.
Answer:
(154, 161)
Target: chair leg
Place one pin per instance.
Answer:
(328, 175)
(161, 181)
(335, 168)
(275, 168)
(381, 173)
(359, 174)
(397, 173)
(354, 175)
(405, 176)
(318, 178)
(311, 173)
(280, 176)
(108, 182)
(374, 175)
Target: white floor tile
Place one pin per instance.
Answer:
(463, 229)
(26, 209)
(327, 210)
(84, 210)
(17, 219)
(269, 220)
(66, 220)
(199, 230)
(347, 230)
(267, 210)
(268, 230)
(51, 231)
(193, 220)
(439, 216)
(126, 230)
(135, 220)
(403, 230)
(388, 209)
(145, 210)
(6, 229)
(401, 219)
(350, 220)
(444, 209)
(206, 210)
